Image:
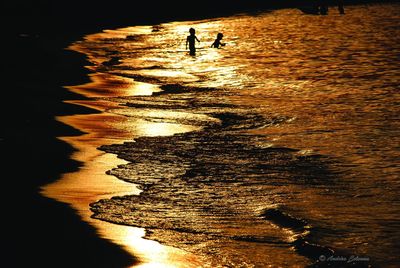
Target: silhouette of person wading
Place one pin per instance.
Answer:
(217, 43)
(191, 39)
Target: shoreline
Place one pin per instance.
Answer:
(43, 143)
(36, 158)
(91, 183)
(40, 231)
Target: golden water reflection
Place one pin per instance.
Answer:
(339, 101)
(107, 85)
(90, 183)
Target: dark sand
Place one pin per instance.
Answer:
(40, 232)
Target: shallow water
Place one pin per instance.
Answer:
(288, 137)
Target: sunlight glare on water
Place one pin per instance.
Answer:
(288, 135)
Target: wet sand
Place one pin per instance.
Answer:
(91, 183)
(39, 231)
(49, 136)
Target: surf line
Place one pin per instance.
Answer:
(91, 183)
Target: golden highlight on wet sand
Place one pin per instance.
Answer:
(91, 183)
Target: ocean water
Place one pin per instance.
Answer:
(281, 149)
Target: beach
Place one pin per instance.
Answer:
(120, 158)
(40, 231)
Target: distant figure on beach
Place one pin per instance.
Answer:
(320, 7)
(323, 10)
(340, 6)
(217, 43)
(191, 39)
(323, 7)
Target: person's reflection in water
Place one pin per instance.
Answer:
(191, 39)
(217, 43)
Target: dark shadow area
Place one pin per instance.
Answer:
(75, 16)
(40, 232)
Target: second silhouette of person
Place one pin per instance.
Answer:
(191, 39)
(217, 43)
